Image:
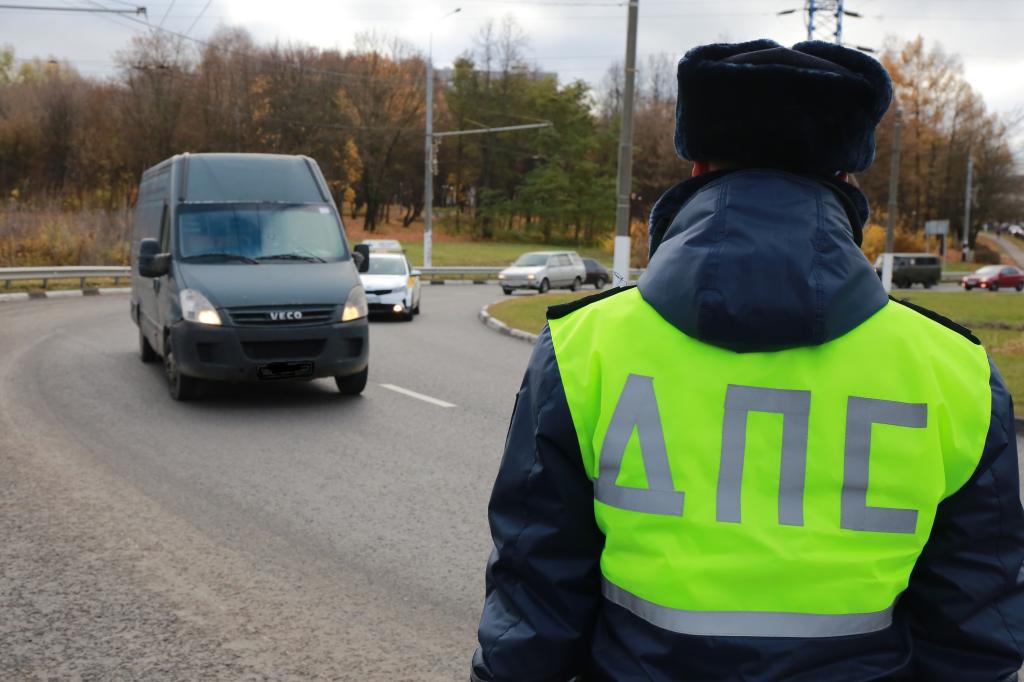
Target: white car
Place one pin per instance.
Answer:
(391, 285)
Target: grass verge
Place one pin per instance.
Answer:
(997, 319)
(450, 253)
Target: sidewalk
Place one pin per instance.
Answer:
(1011, 247)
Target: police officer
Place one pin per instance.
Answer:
(754, 465)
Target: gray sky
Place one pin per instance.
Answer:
(576, 38)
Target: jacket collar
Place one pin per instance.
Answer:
(759, 260)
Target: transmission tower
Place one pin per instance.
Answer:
(825, 20)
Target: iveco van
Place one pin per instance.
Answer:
(241, 271)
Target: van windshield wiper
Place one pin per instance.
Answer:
(222, 255)
(310, 258)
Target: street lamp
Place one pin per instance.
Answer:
(428, 165)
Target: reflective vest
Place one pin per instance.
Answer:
(782, 494)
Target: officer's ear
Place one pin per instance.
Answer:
(700, 168)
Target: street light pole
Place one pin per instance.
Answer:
(894, 186)
(428, 155)
(620, 260)
(966, 251)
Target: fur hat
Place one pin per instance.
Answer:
(813, 108)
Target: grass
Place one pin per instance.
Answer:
(449, 253)
(528, 312)
(997, 319)
(972, 308)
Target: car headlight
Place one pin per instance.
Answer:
(197, 308)
(355, 305)
(501, 275)
(531, 277)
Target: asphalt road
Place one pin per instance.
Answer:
(266, 532)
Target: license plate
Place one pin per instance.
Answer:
(285, 370)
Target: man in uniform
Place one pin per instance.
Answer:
(755, 465)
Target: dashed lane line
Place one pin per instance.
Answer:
(418, 396)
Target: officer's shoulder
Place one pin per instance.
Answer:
(940, 319)
(557, 312)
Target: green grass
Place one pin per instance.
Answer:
(984, 313)
(972, 308)
(488, 253)
(981, 311)
(528, 312)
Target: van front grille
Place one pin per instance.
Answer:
(280, 316)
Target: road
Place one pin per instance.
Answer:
(267, 532)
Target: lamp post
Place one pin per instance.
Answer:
(428, 163)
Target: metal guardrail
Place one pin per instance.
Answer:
(79, 272)
(117, 273)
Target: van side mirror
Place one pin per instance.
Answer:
(361, 256)
(151, 262)
(416, 273)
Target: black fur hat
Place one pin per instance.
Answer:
(813, 108)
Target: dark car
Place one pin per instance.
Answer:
(597, 274)
(992, 277)
(241, 272)
(909, 269)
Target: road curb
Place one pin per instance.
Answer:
(64, 293)
(502, 328)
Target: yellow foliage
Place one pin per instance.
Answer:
(905, 241)
(638, 244)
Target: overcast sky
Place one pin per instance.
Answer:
(576, 38)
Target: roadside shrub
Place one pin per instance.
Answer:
(905, 241)
(53, 235)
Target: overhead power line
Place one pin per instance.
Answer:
(198, 17)
(89, 10)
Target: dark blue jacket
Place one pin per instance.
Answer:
(753, 260)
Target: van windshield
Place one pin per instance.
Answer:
(254, 233)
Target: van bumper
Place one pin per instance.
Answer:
(239, 354)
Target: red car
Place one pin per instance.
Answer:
(992, 277)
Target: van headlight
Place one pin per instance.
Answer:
(355, 305)
(197, 308)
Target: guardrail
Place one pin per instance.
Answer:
(117, 273)
(79, 272)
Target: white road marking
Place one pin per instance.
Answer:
(418, 396)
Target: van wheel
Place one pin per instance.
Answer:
(182, 387)
(352, 384)
(1020, 286)
(575, 286)
(927, 285)
(544, 286)
(416, 310)
(508, 292)
(599, 284)
(146, 352)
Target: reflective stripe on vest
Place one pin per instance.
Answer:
(783, 494)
